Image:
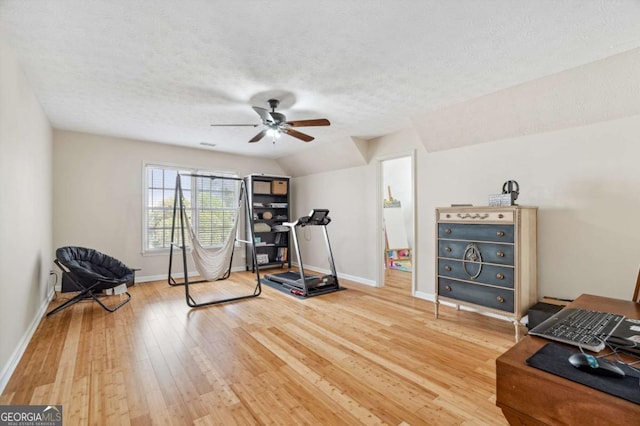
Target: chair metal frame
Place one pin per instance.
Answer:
(85, 292)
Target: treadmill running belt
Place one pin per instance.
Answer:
(287, 276)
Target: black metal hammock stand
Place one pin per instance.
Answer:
(211, 264)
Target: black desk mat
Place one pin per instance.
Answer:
(554, 359)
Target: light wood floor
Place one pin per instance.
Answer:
(398, 280)
(359, 356)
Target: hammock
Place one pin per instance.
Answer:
(213, 264)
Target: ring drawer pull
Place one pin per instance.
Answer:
(447, 287)
(500, 299)
(447, 268)
(447, 249)
(500, 254)
(472, 254)
(447, 231)
(500, 276)
(500, 233)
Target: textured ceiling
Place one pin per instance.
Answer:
(163, 71)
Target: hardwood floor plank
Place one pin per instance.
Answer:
(80, 394)
(441, 416)
(341, 398)
(361, 356)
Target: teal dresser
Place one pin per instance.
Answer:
(486, 259)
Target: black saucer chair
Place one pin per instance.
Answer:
(90, 272)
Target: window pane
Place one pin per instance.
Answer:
(168, 197)
(185, 182)
(187, 198)
(155, 238)
(210, 204)
(170, 178)
(156, 178)
(155, 198)
(155, 218)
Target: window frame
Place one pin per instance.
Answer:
(179, 169)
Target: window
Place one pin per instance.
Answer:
(211, 205)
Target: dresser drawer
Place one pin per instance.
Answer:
(475, 232)
(489, 274)
(491, 297)
(501, 215)
(492, 253)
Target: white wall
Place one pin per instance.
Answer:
(599, 91)
(585, 182)
(351, 200)
(98, 192)
(25, 212)
(351, 196)
(396, 174)
(342, 153)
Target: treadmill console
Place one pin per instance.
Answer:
(316, 217)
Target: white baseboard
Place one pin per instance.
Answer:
(360, 280)
(163, 277)
(425, 296)
(354, 278)
(10, 367)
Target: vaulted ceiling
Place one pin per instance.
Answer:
(164, 70)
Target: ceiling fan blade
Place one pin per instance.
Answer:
(307, 123)
(259, 136)
(264, 114)
(297, 134)
(234, 125)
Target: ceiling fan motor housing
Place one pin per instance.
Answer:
(273, 103)
(278, 118)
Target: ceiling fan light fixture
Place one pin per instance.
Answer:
(274, 133)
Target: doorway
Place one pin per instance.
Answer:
(396, 213)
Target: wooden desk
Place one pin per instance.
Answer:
(528, 396)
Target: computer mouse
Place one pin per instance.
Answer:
(591, 364)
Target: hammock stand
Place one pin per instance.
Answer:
(181, 221)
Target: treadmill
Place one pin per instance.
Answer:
(303, 284)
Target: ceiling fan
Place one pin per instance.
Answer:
(276, 123)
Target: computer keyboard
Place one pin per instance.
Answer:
(579, 327)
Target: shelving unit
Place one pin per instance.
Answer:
(270, 206)
(399, 259)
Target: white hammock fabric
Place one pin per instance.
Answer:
(212, 264)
